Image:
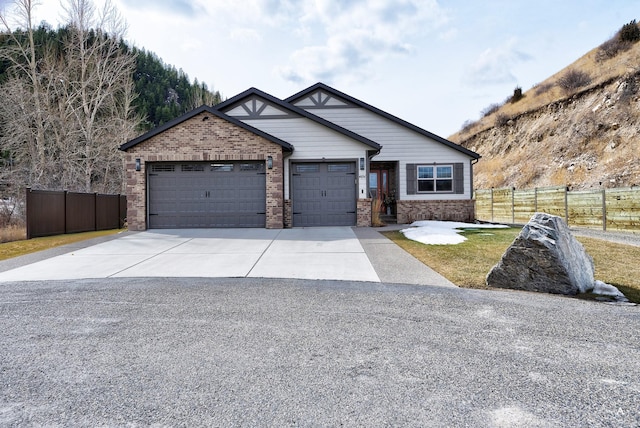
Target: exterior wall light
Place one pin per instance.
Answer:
(269, 162)
(138, 165)
(361, 164)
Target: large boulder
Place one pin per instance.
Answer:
(544, 257)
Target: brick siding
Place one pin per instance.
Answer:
(364, 212)
(200, 139)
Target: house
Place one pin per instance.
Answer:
(317, 158)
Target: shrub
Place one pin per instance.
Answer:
(517, 95)
(467, 125)
(502, 120)
(629, 32)
(610, 49)
(543, 88)
(624, 38)
(490, 109)
(573, 79)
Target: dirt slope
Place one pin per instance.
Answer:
(584, 139)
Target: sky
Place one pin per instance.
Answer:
(434, 63)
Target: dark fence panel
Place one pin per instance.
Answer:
(123, 211)
(107, 212)
(45, 213)
(81, 212)
(59, 212)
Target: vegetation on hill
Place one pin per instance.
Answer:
(162, 91)
(580, 127)
(165, 93)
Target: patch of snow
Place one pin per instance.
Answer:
(433, 232)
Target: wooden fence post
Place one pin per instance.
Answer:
(566, 204)
(604, 210)
(513, 205)
(492, 205)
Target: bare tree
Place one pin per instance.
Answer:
(64, 112)
(100, 90)
(26, 89)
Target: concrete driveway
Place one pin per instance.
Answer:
(335, 253)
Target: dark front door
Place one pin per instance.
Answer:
(206, 194)
(324, 194)
(379, 185)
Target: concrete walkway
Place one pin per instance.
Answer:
(335, 253)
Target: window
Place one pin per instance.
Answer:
(162, 167)
(311, 167)
(222, 167)
(339, 167)
(192, 168)
(437, 178)
(251, 166)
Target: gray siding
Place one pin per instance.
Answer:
(401, 144)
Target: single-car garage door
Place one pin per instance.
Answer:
(205, 194)
(324, 194)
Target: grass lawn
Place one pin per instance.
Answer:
(26, 246)
(468, 264)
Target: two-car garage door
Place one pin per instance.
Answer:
(203, 194)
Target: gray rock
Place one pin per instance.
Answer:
(545, 257)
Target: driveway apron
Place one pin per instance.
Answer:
(302, 253)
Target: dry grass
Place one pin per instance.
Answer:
(616, 264)
(376, 206)
(13, 233)
(468, 264)
(27, 246)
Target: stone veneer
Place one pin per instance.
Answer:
(364, 212)
(288, 213)
(453, 210)
(204, 137)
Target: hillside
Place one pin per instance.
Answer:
(583, 137)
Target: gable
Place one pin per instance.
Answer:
(321, 99)
(196, 112)
(333, 114)
(255, 107)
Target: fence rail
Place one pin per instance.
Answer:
(617, 209)
(58, 212)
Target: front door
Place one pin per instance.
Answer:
(379, 185)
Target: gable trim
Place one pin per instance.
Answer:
(235, 101)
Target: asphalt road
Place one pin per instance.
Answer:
(269, 352)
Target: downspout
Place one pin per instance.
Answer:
(473, 162)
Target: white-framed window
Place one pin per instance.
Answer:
(435, 178)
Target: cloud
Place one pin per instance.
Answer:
(180, 7)
(245, 34)
(348, 38)
(494, 66)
